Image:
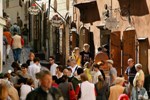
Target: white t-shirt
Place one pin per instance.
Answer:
(31, 62)
(53, 69)
(24, 90)
(33, 69)
(87, 91)
(95, 76)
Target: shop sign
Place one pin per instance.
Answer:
(33, 10)
(56, 21)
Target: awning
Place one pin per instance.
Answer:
(88, 11)
(133, 7)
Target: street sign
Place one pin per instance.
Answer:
(33, 10)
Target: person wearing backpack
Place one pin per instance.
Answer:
(17, 44)
(77, 79)
(67, 88)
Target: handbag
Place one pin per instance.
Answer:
(72, 94)
(79, 94)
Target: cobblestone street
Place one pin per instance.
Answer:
(24, 57)
(75, 50)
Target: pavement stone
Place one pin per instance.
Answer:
(24, 56)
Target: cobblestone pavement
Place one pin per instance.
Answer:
(24, 57)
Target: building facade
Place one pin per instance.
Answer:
(59, 37)
(2, 23)
(15, 8)
(124, 27)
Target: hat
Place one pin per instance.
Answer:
(118, 80)
(86, 64)
(138, 65)
(110, 61)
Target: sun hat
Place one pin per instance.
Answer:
(110, 61)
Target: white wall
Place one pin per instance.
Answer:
(61, 8)
(2, 22)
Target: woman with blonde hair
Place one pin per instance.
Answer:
(76, 55)
(31, 58)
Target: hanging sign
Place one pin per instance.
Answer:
(34, 10)
(56, 21)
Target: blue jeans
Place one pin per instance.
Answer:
(17, 53)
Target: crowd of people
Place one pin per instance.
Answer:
(15, 36)
(80, 79)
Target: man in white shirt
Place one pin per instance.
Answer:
(34, 68)
(53, 66)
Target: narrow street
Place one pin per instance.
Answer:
(24, 57)
(75, 49)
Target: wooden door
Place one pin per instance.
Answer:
(115, 50)
(143, 54)
(84, 36)
(129, 47)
